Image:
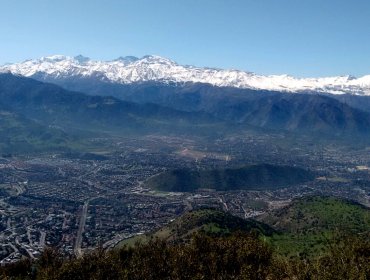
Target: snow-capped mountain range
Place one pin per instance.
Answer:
(129, 70)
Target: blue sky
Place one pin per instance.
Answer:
(298, 37)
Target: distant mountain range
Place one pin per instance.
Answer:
(132, 70)
(62, 95)
(36, 116)
(52, 105)
(170, 109)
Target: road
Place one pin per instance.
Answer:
(245, 212)
(42, 238)
(81, 228)
(29, 236)
(222, 200)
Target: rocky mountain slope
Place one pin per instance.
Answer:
(133, 70)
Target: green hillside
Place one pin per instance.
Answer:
(308, 223)
(253, 177)
(209, 221)
(22, 135)
(307, 226)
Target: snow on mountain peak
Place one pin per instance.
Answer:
(81, 59)
(130, 69)
(127, 59)
(157, 59)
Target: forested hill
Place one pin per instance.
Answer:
(253, 177)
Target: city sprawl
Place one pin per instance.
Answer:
(78, 201)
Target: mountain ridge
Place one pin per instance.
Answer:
(193, 110)
(50, 104)
(152, 68)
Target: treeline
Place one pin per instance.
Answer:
(239, 256)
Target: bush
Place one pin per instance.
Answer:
(238, 256)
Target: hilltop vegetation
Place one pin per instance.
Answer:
(211, 222)
(308, 223)
(253, 177)
(306, 227)
(238, 256)
(315, 213)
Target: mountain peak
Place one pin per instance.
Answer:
(154, 68)
(81, 59)
(127, 59)
(157, 59)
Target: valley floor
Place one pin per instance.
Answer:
(78, 201)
